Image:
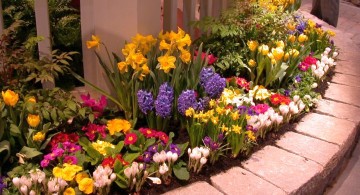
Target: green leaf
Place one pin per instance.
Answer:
(134, 148)
(30, 152)
(82, 112)
(130, 157)
(14, 130)
(183, 147)
(53, 114)
(181, 173)
(121, 182)
(119, 147)
(71, 105)
(91, 117)
(4, 147)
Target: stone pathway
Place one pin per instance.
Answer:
(307, 159)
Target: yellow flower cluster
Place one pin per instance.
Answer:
(67, 172)
(259, 92)
(39, 137)
(85, 183)
(134, 54)
(273, 5)
(172, 42)
(101, 146)
(118, 125)
(10, 97)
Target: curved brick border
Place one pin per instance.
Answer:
(305, 160)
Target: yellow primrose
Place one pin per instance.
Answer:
(68, 172)
(292, 38)
(81, 176)
(278, 53)
(33, 120)
(252, 45)
(10, 97)
(302, 38)
(247, 117)
(185, 56)
(86, 185)
(252, 63)
(118, 125)
(259, 92)
(166, 63)
(101, 145)
(264, 49)
(69, 191)
(95, 42)
(236, 129)
(39, 137)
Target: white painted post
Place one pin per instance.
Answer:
(43, 29)
(1, 19)
(189, 15)
(170, 15)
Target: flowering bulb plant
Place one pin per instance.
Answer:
(147, 63)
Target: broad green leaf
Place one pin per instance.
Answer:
(30, 152)
(130, 157)
(14, 130)
(181, 173)
(4, 147)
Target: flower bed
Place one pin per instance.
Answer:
(226, 100)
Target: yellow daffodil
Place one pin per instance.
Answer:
(39, 137)
(224, 128)
(252, 63)
(251, 135)
(252, 45)
(235, 116)
(302, 38)
(69, 191)
(33, 120)
(330, 33)
(215, 120)
(278, 53)
(294, 53)
(118, 125)
(236, 129)
(185, 56)
(95, 42)
(166, 63)
(264, 49)
(10, 97)
(189, 112)
(101, 145)
(86, 185)
(144, 71)
(123, 67)
(164, 45)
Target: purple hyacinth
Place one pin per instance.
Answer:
(202, 103)
(215, 85)
(205, 74)
(163, 103)
(2, 184)
(145, 101)
(186, 100)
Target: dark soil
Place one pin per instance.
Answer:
(224, 164)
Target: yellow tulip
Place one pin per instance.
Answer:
(280, 44)
(286, 56)
(10, 97)
(31, 99)
(302, 38)
(95, 42)
(290, 26)
(264, 49)
(278, 53)
(252, 45)
(33, 120)
(292, 38)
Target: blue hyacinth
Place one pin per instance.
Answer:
(215, 85)
(186, 100)
(145, 101)
(163, 103)
(205, 74)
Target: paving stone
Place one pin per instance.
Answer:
(343, 67)
(339, 110)
(346, 79)
(308, 147)
(349, 55)
(240, 181)
(288, 171)
(198, 188)
(343, 93)
(327, 128)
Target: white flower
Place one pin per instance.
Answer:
(327, 50)
(169, 156)
(267, 123)
(284, 109)
(314, 85)
(32, 192)
(163, 156)
(16, 182)
(127, 172)
(163, 169)
(203, 160)
(25, 181)
(189, 151)
(335, 54)
(307, 97)
(156, 157)
(296, 98)
(155, 180)
(37, 175)
(174, 157)
(301, 106)
(294, 109)
(279, 119)
(112, 176)
(24, 189)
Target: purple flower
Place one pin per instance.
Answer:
(163, 103)
(215, 85)
(175, 149)
(242, 109)
(301, 27)
(71, 147)
(58, 152)
(207, 140)
(71, 160)
(251, 128)
(205, 74)
(287, 92)
(298, 78)
(44, 163)
(202, 103)
(220, 137)
(147, 157)
(145, 101)
(153, 149)
(2, 184)
(251, 111)
(318, 25)
(214, 145)
(186, 100)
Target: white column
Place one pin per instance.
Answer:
(1, 19)
(170, 15)
(189, 15)
(43, 29)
